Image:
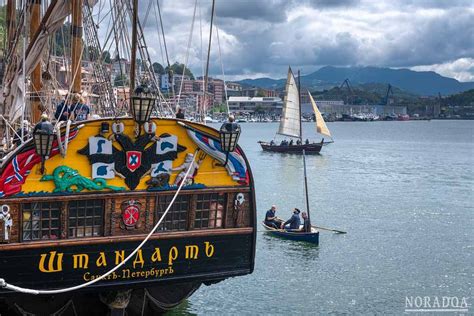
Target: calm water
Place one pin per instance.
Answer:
(404, 193)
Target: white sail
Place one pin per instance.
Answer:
(17, 100)
(14, 87)
(290, 120)
(321, 126)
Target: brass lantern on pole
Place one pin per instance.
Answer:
(43, 136)
(229, 136)
(142, 103)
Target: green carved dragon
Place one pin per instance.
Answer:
(66, 179)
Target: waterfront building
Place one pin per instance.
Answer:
(215, 88)
(337, 107)
(165, 84)
(233, 89)
(271, 105)
(187, 84)
(259, 92)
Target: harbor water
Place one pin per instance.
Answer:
(404, 193)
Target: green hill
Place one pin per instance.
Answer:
(415, 82)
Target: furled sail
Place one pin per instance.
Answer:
(290, 120)
(14, 77)
(321, 126)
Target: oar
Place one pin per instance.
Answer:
(329, 229)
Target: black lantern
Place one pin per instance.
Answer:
(104, 128)
(43, 136)
(142, 104)
(229, 136)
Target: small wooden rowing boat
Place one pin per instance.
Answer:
(312, 237)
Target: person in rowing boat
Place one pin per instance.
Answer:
(294, 221)
(306, 224)
(271, 220)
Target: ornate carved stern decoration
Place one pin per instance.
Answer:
(136, 158)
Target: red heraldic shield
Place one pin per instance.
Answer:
(130, 215)
(134, 160)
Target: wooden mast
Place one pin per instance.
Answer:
(134, 46)
(299, 102)
(206, 76)
(11, 23)
(306, 185)
(36, 85)
(76, 51)
(11, 26)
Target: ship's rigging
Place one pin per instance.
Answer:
(24, 62)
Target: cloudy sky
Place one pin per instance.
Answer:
(262, 37)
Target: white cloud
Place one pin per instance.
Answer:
(265, 36)
(461, 69)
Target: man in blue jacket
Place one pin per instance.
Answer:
(294, 221)
(271, 219)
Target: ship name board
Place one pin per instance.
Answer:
(150, 264)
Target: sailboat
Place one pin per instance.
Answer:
(123, 214)
(290, 123)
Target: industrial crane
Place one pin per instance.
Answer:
(389, 92)
(347, 83)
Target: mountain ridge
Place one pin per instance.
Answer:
(417, 82)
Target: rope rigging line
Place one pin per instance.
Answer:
(158, 30)
(170, 72)
(101, 7)
(76, 71)
(99, 71)
(22, 132)
(109, 29)
(145, 56)
(148, 10)
(187, 53)
(202, 62)
(206, 76)
(223, 72)
(163, 33)
(6, 285)
(162, 97)
(122, 105)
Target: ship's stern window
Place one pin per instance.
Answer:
(177, 217)
(86, 218)
(210, 211)
(41, 220)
